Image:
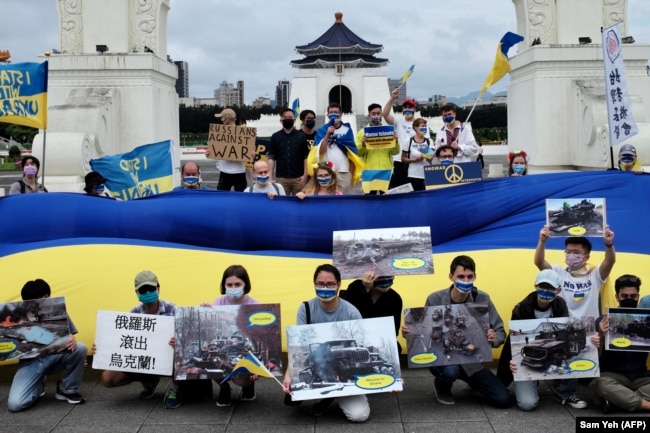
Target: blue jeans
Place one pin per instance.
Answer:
(27, 385)
(527, 394)
(484, 382)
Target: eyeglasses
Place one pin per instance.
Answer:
(329, 284)
(146, 289)
(626, 296)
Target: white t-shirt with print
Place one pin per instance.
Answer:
(582, 292)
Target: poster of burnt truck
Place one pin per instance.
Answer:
(388, 251)
(629, 329)
(343, 358)
(210, 340)
(34, 328)
(555, 348)
(447, 335)
(576, 216)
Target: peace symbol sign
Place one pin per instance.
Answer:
(454, 173)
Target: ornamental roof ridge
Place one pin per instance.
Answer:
(338, 37)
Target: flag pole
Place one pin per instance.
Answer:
(47, 56)
(264, 366)
(473, 107)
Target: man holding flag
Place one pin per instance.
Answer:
(456, 134)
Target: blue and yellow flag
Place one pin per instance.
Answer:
(375, 180)
(501, 66)
(295, 106)
(23, 94)
(251, 365)
(406, 75)
(145, 171)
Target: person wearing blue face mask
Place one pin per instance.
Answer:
(263, 183)
(190, 177)
(328, 307)
(542, 303)
(324, 182)
(404, 131)
(456, 134)
(462, 274)
(445, 155)
(95, 185)
(335, 141)
(517, 163)
(373, 296)
(628, 159)
(235, 288)
(147, 289)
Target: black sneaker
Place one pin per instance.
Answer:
(248, 392)
(72, 397)
(224, 395)
(149, 387)
(443, 396)
(320, 407)
(574, 401)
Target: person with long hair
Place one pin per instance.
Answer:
(517, 163)
(324, 182)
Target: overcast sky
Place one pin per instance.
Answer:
(451, 43)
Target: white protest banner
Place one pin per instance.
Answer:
(132, 342)
(619, 112)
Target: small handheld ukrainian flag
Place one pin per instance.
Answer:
(501, 66)
(295, 106)
(251, 365)
(406, 75)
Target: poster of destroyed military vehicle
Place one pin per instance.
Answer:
(629, 329)
(390, 251)
(210, 340)
(557, 348)
(343, 358)
(447, 335)
(31, 329)
(576, 216)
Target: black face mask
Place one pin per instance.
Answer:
(628, 303)
(288, 123)
(310, 123)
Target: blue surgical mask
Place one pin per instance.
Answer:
(235, 293)
(408, 112)
(384, 283)
(463, 286)
(148, 298)
(546, 295)
(324, 180)
(326, 294)
(190, 180)
(100, 188)
(333, 117)
(448, 119)
(262, 179)
(446, 161)
(627, 159)
(424, 130)
(518, 168)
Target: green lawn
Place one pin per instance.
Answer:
(9, 166)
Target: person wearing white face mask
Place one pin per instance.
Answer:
(416, 153)
(327, 307)
(29, 183)
(582, 287)
(235, 287)
(462, 274)
(456, 134)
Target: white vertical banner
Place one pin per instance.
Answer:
(137, 343)
(619, 113)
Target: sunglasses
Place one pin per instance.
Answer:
(146, 289)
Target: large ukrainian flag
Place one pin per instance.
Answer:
(23, 94)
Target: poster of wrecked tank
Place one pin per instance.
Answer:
(447, 335)
(34, 328)
(211, 340)
(576, 216)
(344, 358)
(386, 252)
(629, 329)
(556, 348)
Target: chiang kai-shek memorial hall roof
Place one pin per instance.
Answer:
(339, 45)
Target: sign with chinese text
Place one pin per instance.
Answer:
(132, 342)
(619, 113)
